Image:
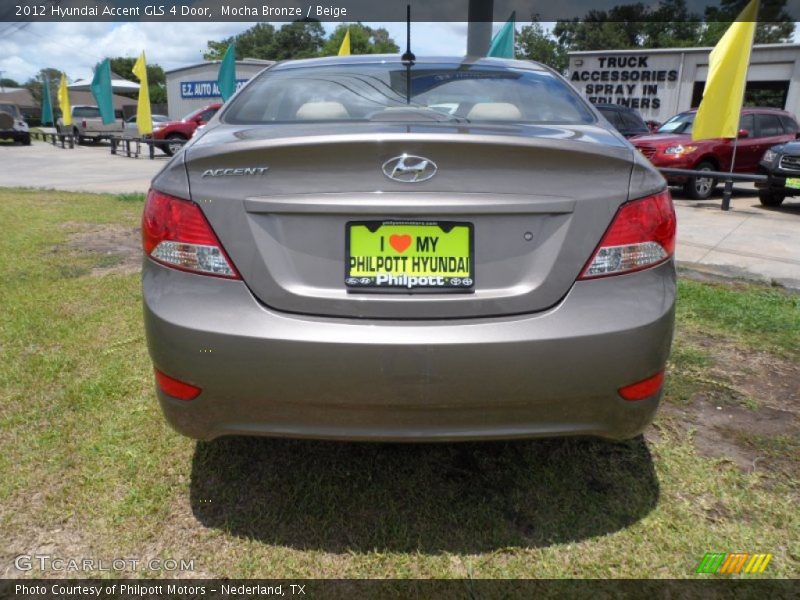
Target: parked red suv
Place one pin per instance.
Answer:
(180, 131)
(672, 146)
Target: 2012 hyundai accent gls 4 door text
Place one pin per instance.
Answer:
(355, 248)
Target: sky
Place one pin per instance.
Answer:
(76, 47)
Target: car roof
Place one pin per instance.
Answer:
(360, 59)
(746, 110)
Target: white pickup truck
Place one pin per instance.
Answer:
(88, 125)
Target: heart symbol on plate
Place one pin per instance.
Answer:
(400, 242)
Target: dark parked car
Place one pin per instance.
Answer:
(338, 257)
(672, 146)
(13, 125)
(625, 120)
(782, 164)
(653, 125)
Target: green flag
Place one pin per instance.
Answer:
(226, 80)
(47, 106)
(502, 45)
(101, 90)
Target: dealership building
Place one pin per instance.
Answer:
(662, 82)
(193, 87)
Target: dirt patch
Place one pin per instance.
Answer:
(114, 248)
(747, 409)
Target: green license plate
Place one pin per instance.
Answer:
(409, 255)
(793, 182)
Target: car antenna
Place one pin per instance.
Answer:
(408, 57)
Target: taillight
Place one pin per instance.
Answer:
(83, 123)
(643, 389)
(641, 235)
(176, 388)
(176, 233)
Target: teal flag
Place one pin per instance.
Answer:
(101, 90)
(226, 80)
(47, 105)
(502, 45)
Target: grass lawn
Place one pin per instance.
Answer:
(88, 467)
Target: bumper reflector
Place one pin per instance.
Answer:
(644, 388)
(175, 388)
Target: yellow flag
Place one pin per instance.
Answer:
(718, 115)
(63, 102)
(144, 119)
(344, 49)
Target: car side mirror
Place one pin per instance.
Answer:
(743, 133)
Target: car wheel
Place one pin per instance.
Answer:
(700, 188)
(26, 140)
(77, 136)
(770, 198)
(170, 149)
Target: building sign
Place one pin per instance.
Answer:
(628, 80)
(205, 89)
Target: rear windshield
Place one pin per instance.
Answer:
(379, 91)
(86, 111)
(10, 109)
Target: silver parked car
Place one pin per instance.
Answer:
(338, 256)
(132, 130)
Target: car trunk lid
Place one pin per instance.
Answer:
(538, 200)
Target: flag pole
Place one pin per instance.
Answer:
(728, 189)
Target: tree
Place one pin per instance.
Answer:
(34, 84)
(256, 42)
(8, 82)
(633, 26)
(594, 34)
(775, 25)
(300, 39)
(363, 40)
(670, 24)
(534, 43)
(156, 79)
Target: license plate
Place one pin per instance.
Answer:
(793, 182)
(409, 255)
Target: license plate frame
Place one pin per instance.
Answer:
(406, 279)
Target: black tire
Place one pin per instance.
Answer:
(170, 149)
(770, 198)
(26, 140)
(76, 136)
(701, 188)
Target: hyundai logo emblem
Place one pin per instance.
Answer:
(408, 168)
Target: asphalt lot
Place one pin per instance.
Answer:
(749, 241)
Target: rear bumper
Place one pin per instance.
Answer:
(268, 373)
(13, 134)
